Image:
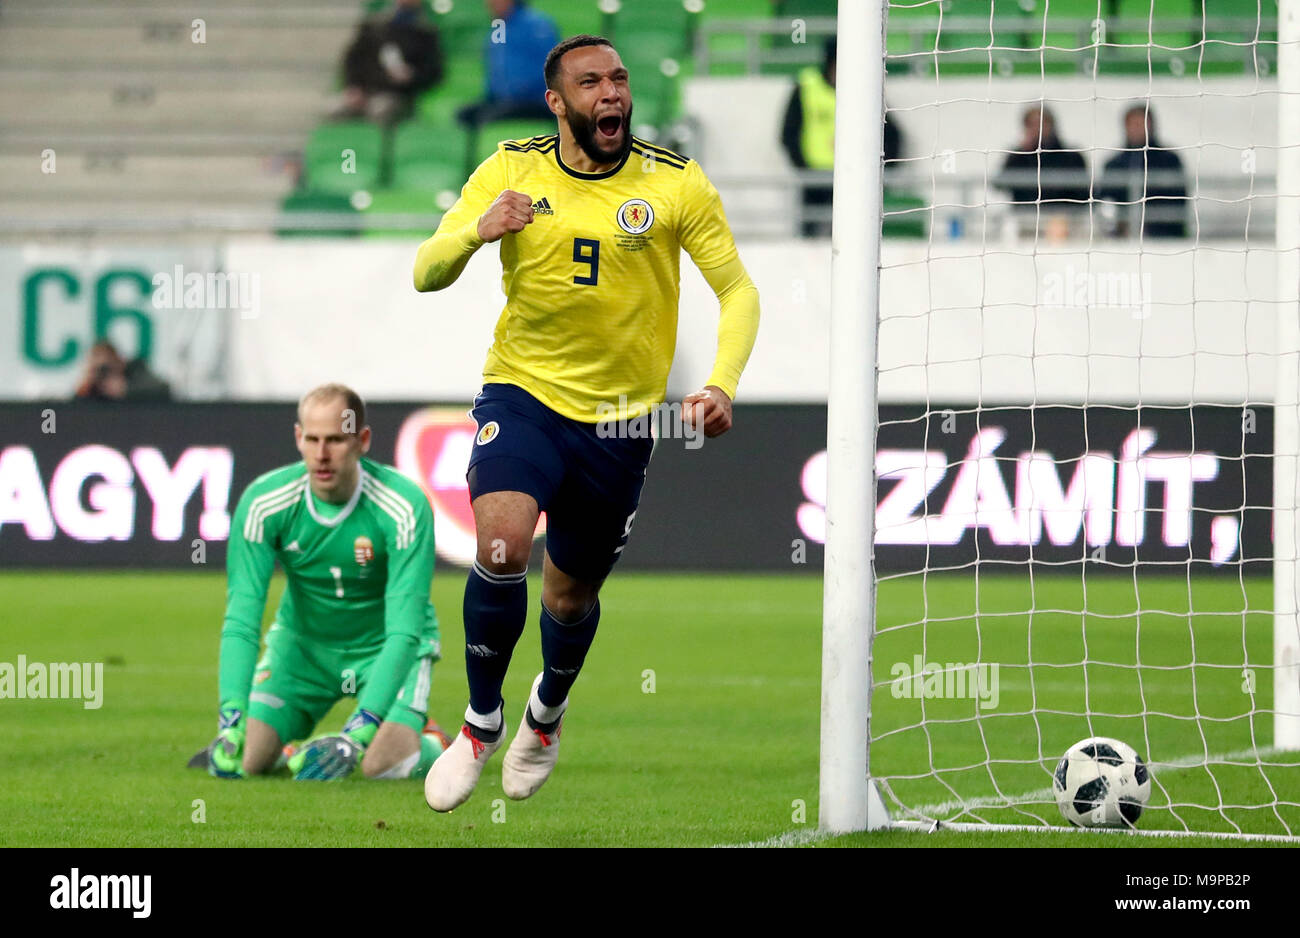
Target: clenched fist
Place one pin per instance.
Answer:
(709, 409)
(509, 213)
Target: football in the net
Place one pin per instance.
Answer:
(1101, 782)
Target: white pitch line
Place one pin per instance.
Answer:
(788, 839)
(800, 838)
(1040, 795)
(1090, 831)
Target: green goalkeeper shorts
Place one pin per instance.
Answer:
(297, 682)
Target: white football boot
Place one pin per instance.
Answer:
(531, 756)
(455, 773)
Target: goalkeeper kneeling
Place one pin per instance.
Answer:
(355, 540)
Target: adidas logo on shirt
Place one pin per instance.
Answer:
(543, 207)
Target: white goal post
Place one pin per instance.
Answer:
(846, 796)
(1093, 511)
(1286, 406)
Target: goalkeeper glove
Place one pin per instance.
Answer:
(327, 758)
(224, 756)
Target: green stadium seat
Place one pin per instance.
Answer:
(402, 201)
(739, 9)
(399, 200)
(920, 10)
(463, 78)
(460, 22)
(462, 25)
(1250, 20)
(1240, 8)
(727, 52)
(652, 13)
(306, 202)
(911, 28)
(572, 17)
(427, 142)
(372, 7)
(657, 28)
(656, 89)
(1064, 24)
(804, 8)
(730, 47)
(330, 169)
(1156, 13)
(968, 37)
(437, 107)
(463, 84)
(905, 214)
(1156, 38)
(430, 176)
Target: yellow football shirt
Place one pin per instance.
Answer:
(592, 284)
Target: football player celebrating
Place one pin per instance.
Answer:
(591, 222)
(355, 539)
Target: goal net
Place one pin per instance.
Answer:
(1086, 426)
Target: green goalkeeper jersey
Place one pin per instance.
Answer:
(358, 575)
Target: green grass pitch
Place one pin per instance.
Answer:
(695, 722)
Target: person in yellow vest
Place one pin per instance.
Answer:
(808, 135)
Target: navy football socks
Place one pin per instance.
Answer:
(564, 649)
(495, 611)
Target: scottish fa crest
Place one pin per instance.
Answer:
(635, 216)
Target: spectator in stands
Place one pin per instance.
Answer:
(1146, 179)
(110, 377)
(105, 378)
(390, 62)
(143, 385)
(808, 134)
(1039, 153)
(514, 54)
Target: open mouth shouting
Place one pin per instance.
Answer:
(605, 136)
(609, 127)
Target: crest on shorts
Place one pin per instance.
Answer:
(364, 549)
(433, 446)
(262, 675)
(635, 216)
(488, 433)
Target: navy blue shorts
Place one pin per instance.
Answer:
(588, 485)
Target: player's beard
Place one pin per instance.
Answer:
(586, 136)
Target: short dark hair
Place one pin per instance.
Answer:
(568, 45)
(333, 391)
